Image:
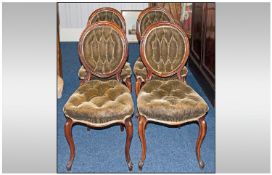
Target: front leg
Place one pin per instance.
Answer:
(68, 134)
(141, 129)
(129, 131)
(201, 135)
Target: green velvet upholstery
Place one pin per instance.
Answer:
(167, 100)
(170, 101)
(103, 49)
(164, 49)
(125, 73)
(151, 18)
(141, 72)
(100, 102)
(106, 16)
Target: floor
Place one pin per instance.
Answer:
(169, 150)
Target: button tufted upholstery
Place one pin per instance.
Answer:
(100, 102)
(106, 14)
(141, 72)
(125, 73)
(103, 49)
(164, 49)
(170, 102)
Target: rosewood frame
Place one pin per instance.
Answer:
(139, 34)
(127, 122)
(103, 9)
(143, 120)
(149, 68)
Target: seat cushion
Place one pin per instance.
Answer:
(170, 102)
(141, 72)
(125, 73)
(99, 103)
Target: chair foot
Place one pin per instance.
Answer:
(130, 166)
(201, 164)
(140, 165)
(69, 165)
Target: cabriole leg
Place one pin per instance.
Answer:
(129, 131)
(68, 134)
(141, 129)
(201, 135)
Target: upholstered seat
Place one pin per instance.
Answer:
(140, 71)
(98, 102)
(170, 101)
(126, 72)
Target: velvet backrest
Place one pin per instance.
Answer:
(164, 49)
(103, 49)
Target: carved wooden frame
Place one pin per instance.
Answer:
(145, 12)
(143, 120)
(103, 9)
(127, 123)
(150, 70)
(118, 69)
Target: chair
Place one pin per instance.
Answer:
(164, 51)
(146, 18)
(111, 15)
(100, 103)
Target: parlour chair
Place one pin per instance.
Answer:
(146, 18)
(101, 103)
(114, 16)
(164, 51)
